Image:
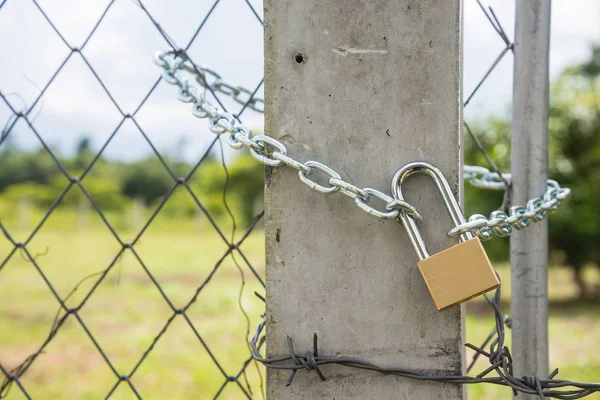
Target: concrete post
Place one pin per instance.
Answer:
(529, 159)
(365, 87)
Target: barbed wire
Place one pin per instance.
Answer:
(498, 355)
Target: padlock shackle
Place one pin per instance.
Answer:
(449, 200)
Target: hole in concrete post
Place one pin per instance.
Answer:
(300, 58)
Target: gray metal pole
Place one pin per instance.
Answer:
(529, 159)
(364, 87)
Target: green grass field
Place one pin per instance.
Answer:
(127, 311)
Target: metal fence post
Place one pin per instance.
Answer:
(364, 87)
(529, 249)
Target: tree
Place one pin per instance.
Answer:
(16, 167)
(147, 179)
(574, 127)
(84, 154)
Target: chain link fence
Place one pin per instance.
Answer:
(182, 309)
(186, 283)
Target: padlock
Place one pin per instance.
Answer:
(459, 273)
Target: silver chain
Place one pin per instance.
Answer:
(266, 149)
(210, 79)
(518, 217)
(269, 151)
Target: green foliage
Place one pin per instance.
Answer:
(35, 178)
(147, 179)
(243, 179)
(246, 186)
(104, 192)
(18, 167)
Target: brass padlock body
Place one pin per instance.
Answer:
(458, 274)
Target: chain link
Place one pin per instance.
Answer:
(269, 151)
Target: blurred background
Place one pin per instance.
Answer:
(81, 98)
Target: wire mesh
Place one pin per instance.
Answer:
(67, 311)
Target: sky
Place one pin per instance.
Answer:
(120, 53)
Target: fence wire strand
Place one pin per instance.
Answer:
(509, 45)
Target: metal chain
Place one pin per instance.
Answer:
(269, 151)
(518, 217)
(266, 149)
